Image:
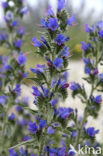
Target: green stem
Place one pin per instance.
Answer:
(85, 113)
(4, 125)
(80, 129)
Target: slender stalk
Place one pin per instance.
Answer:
(4, 125)
(85, 111)
(42, 143)
(81, 127)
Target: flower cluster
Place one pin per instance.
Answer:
(12, 72)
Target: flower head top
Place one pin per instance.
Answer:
(22, 59)
(50, 11)
(61, 4)
(53, 24)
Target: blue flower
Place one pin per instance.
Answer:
(92, 132)
(23, 152)
(101, 77)
(65, 52)
(15, 23)
(5, 4)
(44, 41)
(58, 63)
(61, 4)
(36, 91)
(3, 99)
(12, 116)
(60, 39)
(86, 46)
(72, 152)
(9, 16)
(98, 99)
(87, 61)
(53, 24)
(19, 109)
(46, 92)
(54, 102)
(74, 134)
(65, 112)
(22, 59)
(95, 71)
(13, 152)
(17, 89)
(39, 69)
(24, 10)
(37, 43)
(18, 43)
(71, 20)
(3, 37)
(101, 33)
(33, 128)
(87, 70)
(74, 86)
(66, 85)
(100, 24)
(25, 75)
(44, 23)
(62, 151)
(50, 130)
(21, 31)
(50, 11)
(89, 29)
(42, 123)
(48, 59)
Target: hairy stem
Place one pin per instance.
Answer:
(4, 125)
(85, 111)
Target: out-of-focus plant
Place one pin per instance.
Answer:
(12, 72)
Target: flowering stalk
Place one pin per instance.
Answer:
(52, 81)
(92, 57)
(10, 68)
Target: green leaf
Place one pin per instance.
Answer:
(31, 110)
(23, 143)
